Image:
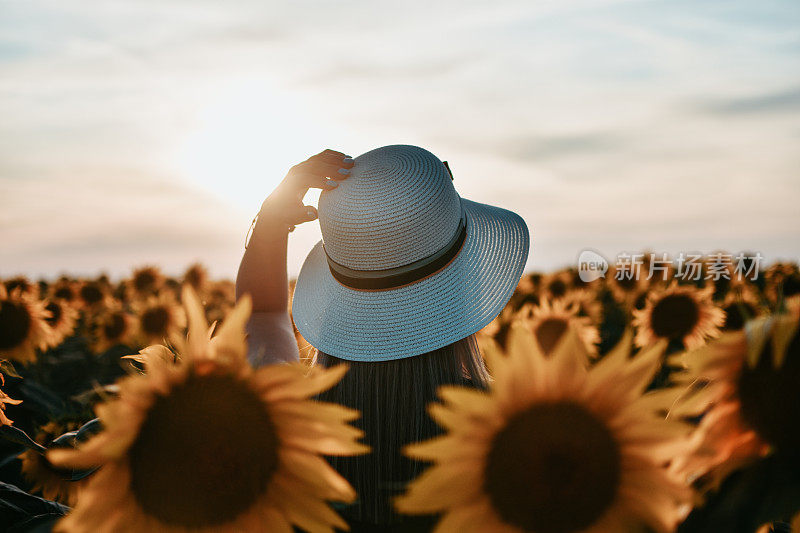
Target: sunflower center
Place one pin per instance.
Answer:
(195, 277)
(554, 468)
(502, 334)
(15, 323)
(144, 281)
(532, 299)
(791, 286)
(771, 398)
(18, 283)
(557, 288)
(114, 326)
(736, 314)
(204, 454)
(675, 316)
(626, 283)
(91, 294)
(155, 320)
(55, 313)
(549, 332)
(64, 293)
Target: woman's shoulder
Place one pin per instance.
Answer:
(270, 339)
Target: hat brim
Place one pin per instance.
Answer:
(459, 300)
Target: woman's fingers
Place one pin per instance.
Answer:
(337, 171)
(319, 173)
(328, 152)
(303, 213)
(316, 181)
(325, 167)
(330, 156)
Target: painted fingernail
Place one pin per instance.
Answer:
(331, 184)
(344, 171)
(348, 160)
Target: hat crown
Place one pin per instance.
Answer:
(397, 206)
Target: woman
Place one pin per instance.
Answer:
(405, 274)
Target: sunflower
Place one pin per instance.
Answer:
(679, 312)
(216, 311)
(208, 443)
(22, 283)
(146, 281)
(113, 327)
(793, 305)
(794, 526)
(62, 318)
(739, 306)
(750, 396)
(93, 296)
(6, 399)
(223, 291)
(791, 286)
(23, 326)
(46, 479)
(495, 334)
(588, 303)
(160, 318)
(219, 300)
(553, 446)
(64, 289)
(557, 284)
(550, 321)
(196, 276)
(626, 287)
(777, 276)
(525, 286)
(529, 298)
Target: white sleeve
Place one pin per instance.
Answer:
(271, 339)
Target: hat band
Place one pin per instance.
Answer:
(391, 278)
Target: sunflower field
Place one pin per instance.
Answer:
(673, 404)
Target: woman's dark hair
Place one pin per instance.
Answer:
(393, 397)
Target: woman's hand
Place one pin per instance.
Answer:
(322, 171)
(262, 272)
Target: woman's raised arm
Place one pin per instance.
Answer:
(262, 272)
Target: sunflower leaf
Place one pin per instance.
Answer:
(8, 369)
(18, 508)
(17, 436)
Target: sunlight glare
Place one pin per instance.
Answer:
(246, 138)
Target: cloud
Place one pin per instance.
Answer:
(87, 221)
(544, 148)
(770, 102)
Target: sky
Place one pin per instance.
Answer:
(149, 132)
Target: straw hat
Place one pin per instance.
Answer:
(405, 265)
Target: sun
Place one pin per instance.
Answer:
(246, 134)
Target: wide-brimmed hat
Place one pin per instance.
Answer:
(405, 265)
